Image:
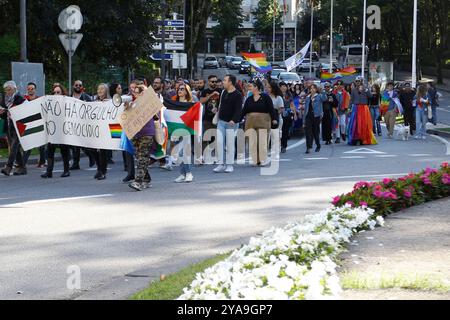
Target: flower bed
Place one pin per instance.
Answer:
(391, 195)
(299, 260)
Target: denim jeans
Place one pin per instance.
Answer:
(226, 136)
(434, 112)
(421, 122)
(15, 150)
(185, 166)
(375, 113)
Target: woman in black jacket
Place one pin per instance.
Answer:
(260, 115)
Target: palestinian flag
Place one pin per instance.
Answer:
(30, 125)
(181, 115)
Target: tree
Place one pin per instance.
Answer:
(230, 17)
(264, 15)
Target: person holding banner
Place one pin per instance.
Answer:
(12, 98)
(78, 93)
(58, 89)
(101, 155)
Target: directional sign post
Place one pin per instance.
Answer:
(70, 21)
(158, 56)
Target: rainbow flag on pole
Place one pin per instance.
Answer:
(258, 61)
(344, 72)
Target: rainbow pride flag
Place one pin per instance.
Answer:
(384, 103)
(116, 130)
(344, 72)
(258, 61)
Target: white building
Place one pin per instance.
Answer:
(249, 37)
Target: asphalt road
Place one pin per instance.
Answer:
(120, 239)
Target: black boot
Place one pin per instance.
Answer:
(49, 172)
(344, 138)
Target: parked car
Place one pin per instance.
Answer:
(225, 61)
(245, 67)
(210, 62)
(289, 77)
(236, 62)
(275, 73)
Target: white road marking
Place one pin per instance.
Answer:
(353, 157)
(444, 141)
(316, 158)
(365, 151)
(386, 155)
(442, 109)
(295, 145)
(20, 204)
(419, 155)
(357, 177)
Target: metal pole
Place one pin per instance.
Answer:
(331, 39)
(284, 34)
(70, 53)
(295, 34)
(163, 40)
(414, 48)
(363, 65)
(191, 34)
(311, 46)
(273, 39)
(23, 30)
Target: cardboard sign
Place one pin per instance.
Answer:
(144, 109)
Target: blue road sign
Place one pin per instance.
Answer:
(158, 56)
(172, 23)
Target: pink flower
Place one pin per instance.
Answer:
(336, 200)
(351, 203)
(362, 203)
(386, 181)
(427, 181)
(444, 164)
(407, 194)
(378, 193)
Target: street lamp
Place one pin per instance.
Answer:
(414, 48)
(23, 30)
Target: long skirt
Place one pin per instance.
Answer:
(360, 126)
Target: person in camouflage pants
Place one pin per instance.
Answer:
(142, 146)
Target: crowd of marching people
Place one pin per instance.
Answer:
(331, 113)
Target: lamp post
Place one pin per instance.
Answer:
(331, 39)
(363, 64)
(414, 48)
(163, 40)
(23, 30)
(311, 38)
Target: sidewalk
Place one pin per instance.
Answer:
(408, 258)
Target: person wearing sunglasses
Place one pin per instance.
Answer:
(58, 90)
(210, 100)
(78, 93)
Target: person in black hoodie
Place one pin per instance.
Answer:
(12, 98)
(406, 99)
(327, 120)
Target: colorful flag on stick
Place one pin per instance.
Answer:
(297, 58)
(258, 61)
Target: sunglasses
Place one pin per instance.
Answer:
(214, 81)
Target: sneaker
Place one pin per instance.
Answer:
(265, 163)
(135, 185)
(338, 140)
(229, 169)
(219, 168)
(423, 137)
(180, 179)
(189, 177)
(167, 167)
(283, 150)
(146, 185)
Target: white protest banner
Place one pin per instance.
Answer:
(144, 108)
(297, 58)
(66, 120)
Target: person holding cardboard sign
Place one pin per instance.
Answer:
(143, 139)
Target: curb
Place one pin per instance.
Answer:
(439, 133)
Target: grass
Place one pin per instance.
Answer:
(4, 153)
(172, 287)
(363, 281)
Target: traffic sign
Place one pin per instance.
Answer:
(171, 34)
(169, 46)
(158, 56)
(70, 19)
(179, 60)
(172, 23)
(70, 41)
